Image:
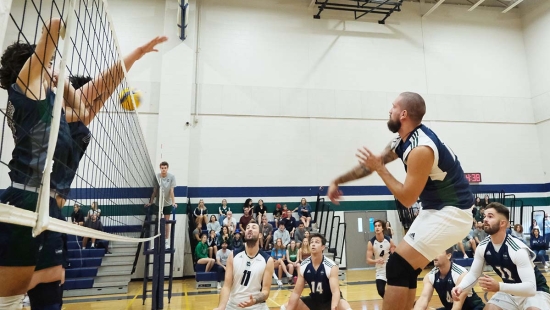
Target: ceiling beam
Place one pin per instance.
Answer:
(440, 2)
(512, 6)
(476, 5)
(312, 3)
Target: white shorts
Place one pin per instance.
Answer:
(381, 272)
(232, 306)
(434, 231)
(505, 301)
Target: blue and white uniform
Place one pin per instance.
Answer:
(512, 261)
(446, 199)
(248, 275)
(320, 297)
(381, 249)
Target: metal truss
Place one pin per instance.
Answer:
(361, 7)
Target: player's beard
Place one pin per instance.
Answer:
(252, 241)
(394, 126)
(491, 230)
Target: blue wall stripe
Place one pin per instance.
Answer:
(280, 191)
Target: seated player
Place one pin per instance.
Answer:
(321, 274)
(443, 278)
(523, 287)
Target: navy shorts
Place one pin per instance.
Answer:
(17, 245)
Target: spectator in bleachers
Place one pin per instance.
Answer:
(230, 222)
(534, 225)
(292, 257)
(248, 205)
(77, 217)
(485, 201)
(201, 213)
(197, 232)
(212, 243)
(94, 209)
(223, 209)
(260, 210)
(221, 260)
(389, 230)
(467, 244)
(238, 244)
(299, 234)
(214, 225)
(282, 234)
(304, 210)
(479, 233)
(479, 216)
(279, 256)
(290, 223)
(93, 223)
(245, 219)
(277, 214)
(286, 211)
(225, 236)
(304, 249)
(518, 233)
(267, 231)
(539, 246)
(546, 231)
(201, 252)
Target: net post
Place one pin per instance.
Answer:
(43, 206)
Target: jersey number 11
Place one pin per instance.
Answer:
(245, 278)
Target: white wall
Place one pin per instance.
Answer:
(286, 99)
(536, 26)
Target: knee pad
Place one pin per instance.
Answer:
(399, 272)
(11, 302)
(46, 296)
(414, 278)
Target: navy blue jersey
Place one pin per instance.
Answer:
(80, 138)
(444, 285)
(503, 264)
(318, 280)
(446, 185)
(30, 123)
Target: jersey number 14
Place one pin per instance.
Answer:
(316, 288)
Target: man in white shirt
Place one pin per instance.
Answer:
(282, 233)
(230, 222)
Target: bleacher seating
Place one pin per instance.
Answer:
(83, 263)
(209, 279)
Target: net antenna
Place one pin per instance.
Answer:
(115, 168)
(183, 18)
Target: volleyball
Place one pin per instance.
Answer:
(126, 98)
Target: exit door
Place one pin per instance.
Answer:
(360, 229)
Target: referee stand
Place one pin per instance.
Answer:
(155, 258)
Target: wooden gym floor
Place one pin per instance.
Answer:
(359, 289)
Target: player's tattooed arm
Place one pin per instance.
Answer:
(360, 171)
(266, 282)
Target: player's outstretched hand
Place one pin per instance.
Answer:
(247, 303)
(334, 193)
(150, 46)
(455, 292)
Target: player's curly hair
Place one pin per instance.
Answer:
(12, 61)
(78, 81)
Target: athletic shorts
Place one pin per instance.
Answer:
(314, 304)
(52, 252)
(506, 301)
(232, 306)
(434, 231)
(17, 245)
(165, 210)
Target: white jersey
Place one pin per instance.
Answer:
(248, 275)
(381, 249)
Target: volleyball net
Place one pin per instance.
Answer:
(76, 138)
